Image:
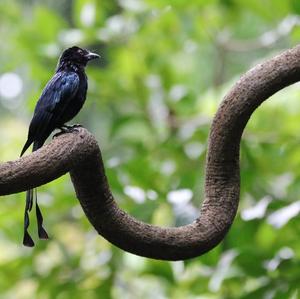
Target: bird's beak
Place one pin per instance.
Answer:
(92, 55)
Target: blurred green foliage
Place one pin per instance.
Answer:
(165, 67)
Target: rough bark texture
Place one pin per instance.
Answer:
(79, 154)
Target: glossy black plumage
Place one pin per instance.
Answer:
(60, 101)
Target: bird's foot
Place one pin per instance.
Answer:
(76, 126)
(61, 132)
(67, 129)
(72, 127)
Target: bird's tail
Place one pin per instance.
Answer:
(30, 195)
(27, 240)
(26, 146)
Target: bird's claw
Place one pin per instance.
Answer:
(58, 134)
(67, 129)
(75, 126)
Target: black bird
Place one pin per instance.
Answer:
(60, 101)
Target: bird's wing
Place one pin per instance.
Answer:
(55, 97)
(58, 92)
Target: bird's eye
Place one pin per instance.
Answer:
(80, 51)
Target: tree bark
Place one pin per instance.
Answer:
(79, 154)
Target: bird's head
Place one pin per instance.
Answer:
(77, 55)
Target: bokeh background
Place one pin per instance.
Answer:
(164, 69)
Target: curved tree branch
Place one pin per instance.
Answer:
(79, 154)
